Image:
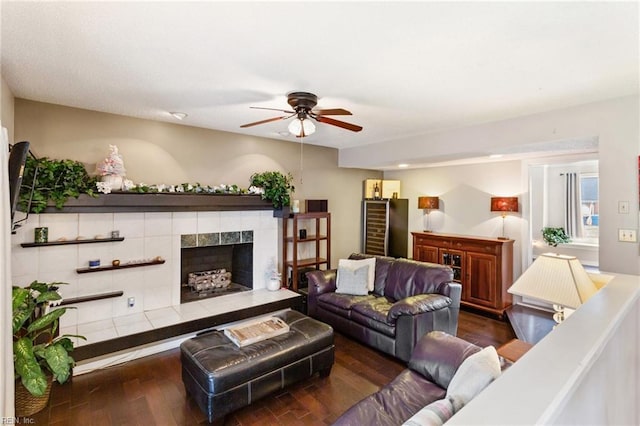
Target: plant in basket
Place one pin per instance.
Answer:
(39, 353)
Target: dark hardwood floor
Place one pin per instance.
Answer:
(149, 391)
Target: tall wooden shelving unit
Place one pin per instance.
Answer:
(291, 241)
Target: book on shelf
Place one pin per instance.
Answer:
(251, 332)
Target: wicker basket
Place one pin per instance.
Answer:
(28, 404)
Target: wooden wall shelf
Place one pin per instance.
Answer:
(81, 299)
(62, 243)
(121, 266)
(119, 202)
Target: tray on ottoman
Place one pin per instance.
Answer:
(222, 377)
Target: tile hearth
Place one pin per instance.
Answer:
(140, 328)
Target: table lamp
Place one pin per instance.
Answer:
(557, 279)
(504, 205)
(428, 203)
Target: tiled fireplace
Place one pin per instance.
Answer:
(146, 236)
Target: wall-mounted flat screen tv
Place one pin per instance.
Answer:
(17, 159)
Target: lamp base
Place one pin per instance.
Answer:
(503, 238)
(427, 230)
(562, 313)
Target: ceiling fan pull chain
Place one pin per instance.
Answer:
(301, 157)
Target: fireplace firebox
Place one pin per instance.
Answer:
(236, 259)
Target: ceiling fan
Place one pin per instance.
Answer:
(302, 104)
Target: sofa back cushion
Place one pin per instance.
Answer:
(407, 278)
(437, 356)
(383, 263)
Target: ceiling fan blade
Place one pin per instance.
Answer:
(268, 120)
(333, 111)
(274, 109)
(343, 124)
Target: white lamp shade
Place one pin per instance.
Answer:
(296, 126)
(555, 279)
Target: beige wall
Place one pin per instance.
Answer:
(465, 193)
(158, 152)
(6, 108)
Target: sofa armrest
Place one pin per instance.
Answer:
(319, 282)
(437, 356)
(453, 290)
(418, 304)
(322, 281)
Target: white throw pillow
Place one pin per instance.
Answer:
(352, 281)
(474, 374)
(354, 264)
(434, 414)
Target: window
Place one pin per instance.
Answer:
(590, 206)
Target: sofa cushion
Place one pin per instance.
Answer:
(373, 314)
(434, 414)
(417, 305)
(408, 278)
(340, 303)
(376, 308)
(372, 325)
(352, 280)
(437, 356)
(354, 264)
(474, 374)
(383, 263)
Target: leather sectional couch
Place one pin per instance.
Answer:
(409, 299)
(425, 392)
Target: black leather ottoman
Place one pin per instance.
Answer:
(222, 377)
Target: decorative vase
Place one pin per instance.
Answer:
(114, 181)
(273, 284)
(28, 404)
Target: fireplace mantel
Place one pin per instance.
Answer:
(124, 202)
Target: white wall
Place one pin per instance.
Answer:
(615, 125)
(6, 356)
(547, 206)
(585, 372)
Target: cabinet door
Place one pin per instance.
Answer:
(455, 260)
(481, 280)
(426, 254)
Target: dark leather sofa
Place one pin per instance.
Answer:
(434, 362)
(410, 299)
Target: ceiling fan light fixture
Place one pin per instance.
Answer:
(178, 115)
(297, 126)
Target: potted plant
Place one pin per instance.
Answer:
(53, 180)
(555, 236)
(40, 355)
(276, 187)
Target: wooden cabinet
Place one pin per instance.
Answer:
(316, 244)
(484, 266)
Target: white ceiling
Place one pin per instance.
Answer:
(402, 69)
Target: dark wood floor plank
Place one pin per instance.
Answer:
(149, 390)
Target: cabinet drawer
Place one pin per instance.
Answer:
(477, 246)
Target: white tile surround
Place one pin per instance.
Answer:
(155, 288)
